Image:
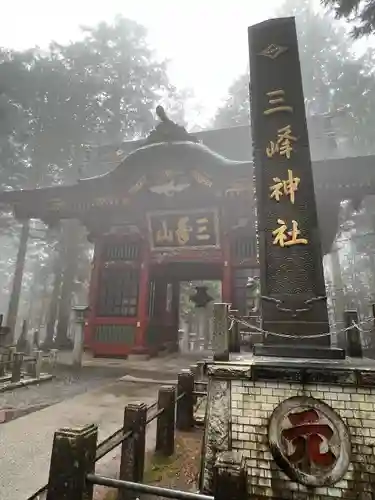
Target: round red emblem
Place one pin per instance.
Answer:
(309, 441)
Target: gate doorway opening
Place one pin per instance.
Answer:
(196, 324)
(170, 308)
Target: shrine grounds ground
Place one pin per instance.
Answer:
(98, 395)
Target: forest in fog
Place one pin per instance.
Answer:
(59, 105)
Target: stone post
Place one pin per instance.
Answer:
(165, 427)
(78, 346)
(185, 405)
(79, 323)
(235, 334)
(230, 476)
(3, 362)
(52, 360)
(353, 335)
(220, 340)
(73, 457)
(133, 448)
(17, 366)
(194, 370)
(11, 352)
(36, 365)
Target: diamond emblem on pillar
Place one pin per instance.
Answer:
(273, 51)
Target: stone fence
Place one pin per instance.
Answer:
(18, 369)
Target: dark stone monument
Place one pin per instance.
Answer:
(293, 296)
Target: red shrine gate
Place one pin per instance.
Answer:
(135, 283)
(171, 211)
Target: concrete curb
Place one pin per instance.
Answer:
(140, 380)
(24, 383)
(8, 414)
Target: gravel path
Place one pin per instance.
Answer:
(65, 385)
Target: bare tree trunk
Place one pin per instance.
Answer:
(71, 254)
(17, 278)
(54, 304)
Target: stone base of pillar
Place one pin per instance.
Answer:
(309, 352)
(258, 406)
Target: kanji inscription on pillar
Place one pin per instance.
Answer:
(293, 296)
(309, 441)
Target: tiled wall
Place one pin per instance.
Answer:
(252, 404)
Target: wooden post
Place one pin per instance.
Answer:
(353, 335)
(185, 406)
(226, 288)
(140, 340)
(73, 457)
(165, 427)
(17, 366)
(93, 292)
(133, 448)
(230, 476)
(220, 340)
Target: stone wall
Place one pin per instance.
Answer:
(255, 393)
(252, 404)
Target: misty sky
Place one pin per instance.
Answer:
(206, 41)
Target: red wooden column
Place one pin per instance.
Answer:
(226, 287)
(93, 293)
(142, 321)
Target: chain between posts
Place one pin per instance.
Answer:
(287, 335)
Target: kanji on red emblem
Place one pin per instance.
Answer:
(306, 435)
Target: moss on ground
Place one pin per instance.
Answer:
(179, 471)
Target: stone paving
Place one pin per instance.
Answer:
(26, 443)
(65, 385)
(97, 395)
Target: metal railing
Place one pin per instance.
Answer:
(174, 410)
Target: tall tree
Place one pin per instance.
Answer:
(333, 79)
(360, 13)
(54, 104)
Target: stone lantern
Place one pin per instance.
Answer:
(201, 299)
(80, 313)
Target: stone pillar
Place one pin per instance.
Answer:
(293, 297)
(220, 339)
(52, 360)
(11, 352)
(17, 367)
(36, 366)
(235, 334)
(78, 345)
(353, 335)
